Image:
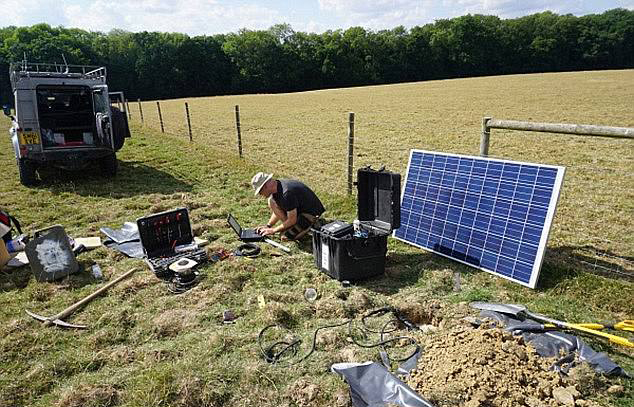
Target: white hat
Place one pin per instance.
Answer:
(258, 181)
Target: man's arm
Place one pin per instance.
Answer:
(272, 220)
(291, 220)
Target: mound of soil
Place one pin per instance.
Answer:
(488, 367)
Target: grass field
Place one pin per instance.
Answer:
(305, 134)
(146, 347)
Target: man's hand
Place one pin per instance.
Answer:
(264, 231)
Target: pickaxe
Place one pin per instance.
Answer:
(58, 319)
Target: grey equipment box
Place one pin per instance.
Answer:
(50, 254)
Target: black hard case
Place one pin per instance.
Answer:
(379, 211)
(161, 232)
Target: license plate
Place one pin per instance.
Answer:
(29, 137)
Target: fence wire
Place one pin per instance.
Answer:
(593, 229)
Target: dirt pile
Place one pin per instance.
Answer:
(488, 367)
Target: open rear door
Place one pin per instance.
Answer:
(103, 115)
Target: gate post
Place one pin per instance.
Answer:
(484, 139)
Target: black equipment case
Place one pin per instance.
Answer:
(345, 252)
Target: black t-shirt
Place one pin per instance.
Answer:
(292, 194)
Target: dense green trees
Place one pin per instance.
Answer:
(153, 65)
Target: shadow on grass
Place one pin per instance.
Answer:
(133, 178)
(19, 278)
(15, 279)
(305, 245)
(405, 269)
(565, 262)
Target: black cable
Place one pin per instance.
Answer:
(291, 349)
(247, 250)
(377, 313)
(382, 342)
(275, 358)
(179, 284)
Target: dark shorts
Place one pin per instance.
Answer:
(304, 222)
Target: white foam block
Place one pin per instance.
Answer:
(89, 242)
(200, 242)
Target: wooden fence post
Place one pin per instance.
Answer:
(484, 139)
(140, 110)
(158, 107)
(189, 123)
(238, 130)
(127, 108)
(350, 149)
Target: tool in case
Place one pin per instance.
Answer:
(166, 238)
(358, 251)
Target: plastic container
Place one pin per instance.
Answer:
(96, 271)
(88, 138)
(310, 294)
(350, 258)
(16, 245)
(353, 255)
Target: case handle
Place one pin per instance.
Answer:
(365, 257)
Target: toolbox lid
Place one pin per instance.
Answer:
(161, 232)
(379, 197)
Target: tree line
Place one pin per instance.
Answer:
(156, 65)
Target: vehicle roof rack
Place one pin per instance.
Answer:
(24, 69)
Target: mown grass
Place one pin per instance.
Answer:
(147, 347)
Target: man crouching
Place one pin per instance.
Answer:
(291, 202)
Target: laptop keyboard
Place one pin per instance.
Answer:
(160, 265)
(250, 234)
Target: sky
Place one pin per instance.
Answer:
(208, 17)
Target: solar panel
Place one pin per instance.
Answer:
(491, 214)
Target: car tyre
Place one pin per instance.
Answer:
(109, 165)
(27, 171)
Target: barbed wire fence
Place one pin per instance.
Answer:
(359, 139)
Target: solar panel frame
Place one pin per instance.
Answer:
(536, 204)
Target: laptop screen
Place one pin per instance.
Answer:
(234, 224)
(161, 232)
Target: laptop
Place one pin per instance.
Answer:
(246, 235)
(167, 237)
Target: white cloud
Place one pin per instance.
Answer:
(511, 8)
(311, 26)
(22, 12)
(194, 17)
(508, 8)
(628, 4)
(380, 14)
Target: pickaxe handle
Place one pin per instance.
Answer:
(80, 303)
